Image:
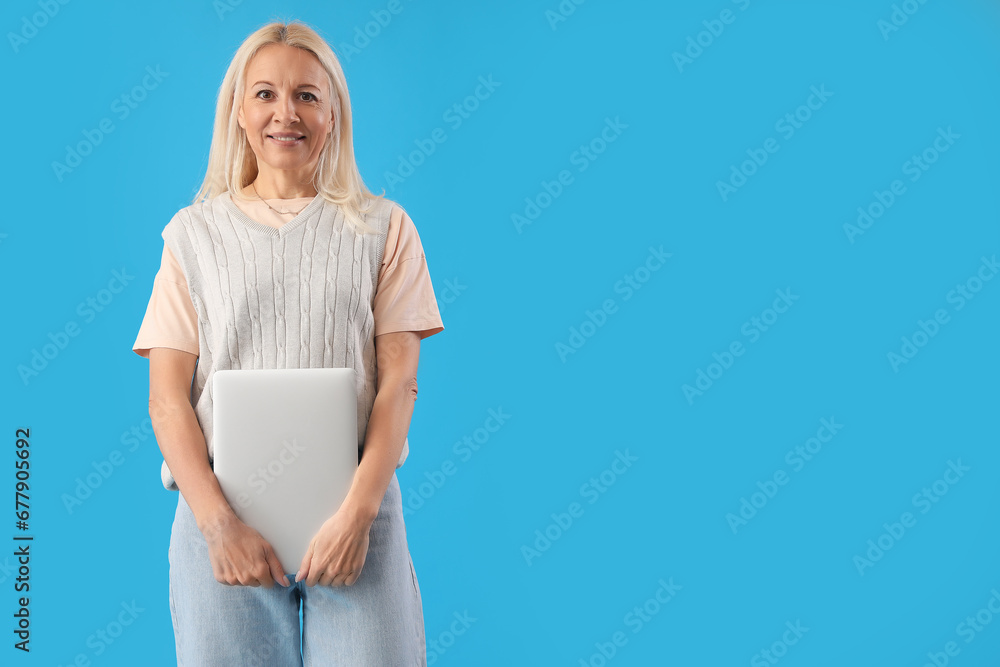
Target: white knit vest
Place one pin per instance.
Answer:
(299, 296)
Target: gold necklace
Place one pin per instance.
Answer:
(254, 186)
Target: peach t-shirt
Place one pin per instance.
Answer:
(404, 297)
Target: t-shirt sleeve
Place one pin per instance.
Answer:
(404, 296)
(170, 319)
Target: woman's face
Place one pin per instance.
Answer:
(286, 110)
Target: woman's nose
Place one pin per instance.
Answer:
(286, 110)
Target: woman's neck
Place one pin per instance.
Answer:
(278, 191)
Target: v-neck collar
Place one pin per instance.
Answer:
(276, 232)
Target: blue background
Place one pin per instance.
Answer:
(686, 125)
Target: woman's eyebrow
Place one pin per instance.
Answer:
(301, 85)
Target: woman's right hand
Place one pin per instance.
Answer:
(240, 555)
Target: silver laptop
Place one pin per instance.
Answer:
(286, 450)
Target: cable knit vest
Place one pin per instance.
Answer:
(300, 296)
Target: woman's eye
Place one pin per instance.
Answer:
(309, 97)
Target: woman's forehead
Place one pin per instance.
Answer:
(274, 63)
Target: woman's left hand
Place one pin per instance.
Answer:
(337, 552)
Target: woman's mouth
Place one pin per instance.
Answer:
(286, 140)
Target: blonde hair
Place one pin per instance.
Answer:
(232, 164)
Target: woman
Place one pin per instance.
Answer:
(286, 260)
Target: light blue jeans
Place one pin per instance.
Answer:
(376, 622)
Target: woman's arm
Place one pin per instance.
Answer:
(239, 554)
(396, 355)
(179, 435)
